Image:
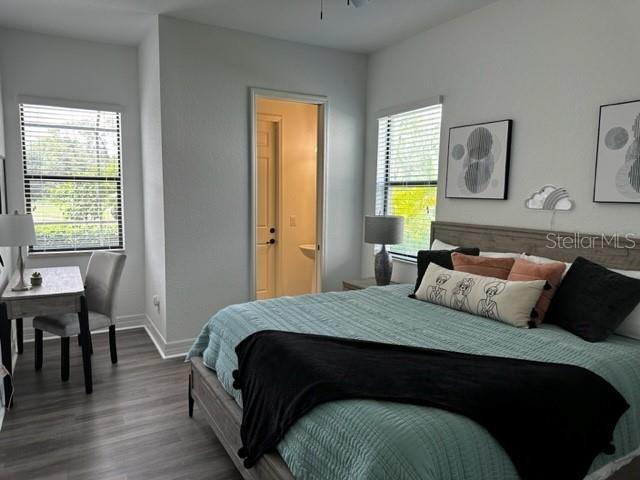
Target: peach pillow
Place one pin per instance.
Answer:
(485, 266)
(524, 270)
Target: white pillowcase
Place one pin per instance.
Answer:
(439, 245)
(500, 254)
(503, 300)
(631, 326)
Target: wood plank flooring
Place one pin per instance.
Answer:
(134, 425)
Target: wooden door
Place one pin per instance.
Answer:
(267, 142)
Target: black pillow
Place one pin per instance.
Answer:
(439, 257)
(592, 300)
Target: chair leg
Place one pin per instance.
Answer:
(90, 342)
(112, 344)
(38, 346)
(64, 358)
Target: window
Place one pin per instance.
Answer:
(72, 177)
(407, 176)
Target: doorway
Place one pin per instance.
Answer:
(288, 151)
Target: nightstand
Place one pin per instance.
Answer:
(359, 284)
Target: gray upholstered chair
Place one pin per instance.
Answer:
(103, 275)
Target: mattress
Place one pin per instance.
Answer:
(357, 439)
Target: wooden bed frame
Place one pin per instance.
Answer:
(625, 255)
(225, 416)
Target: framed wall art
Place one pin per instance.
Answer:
(478, 161)
(617, 178)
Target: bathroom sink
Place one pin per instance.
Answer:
(309, 249)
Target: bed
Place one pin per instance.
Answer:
(374, 439)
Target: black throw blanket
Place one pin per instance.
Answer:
(551, 419)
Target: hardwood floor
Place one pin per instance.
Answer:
(134, 425)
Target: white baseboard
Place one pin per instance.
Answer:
(122, 323)
(172, 349)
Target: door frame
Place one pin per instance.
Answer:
(321, 175)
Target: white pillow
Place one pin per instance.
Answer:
(631, 326)
(503, 300)
(500, 255)
(440, 245)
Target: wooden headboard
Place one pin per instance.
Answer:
(562, 246)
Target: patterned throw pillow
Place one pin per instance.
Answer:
(551, 272)
(508, 302)
(497, 267)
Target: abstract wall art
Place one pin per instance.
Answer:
(478, 161)
(550, 198)
(617, 178)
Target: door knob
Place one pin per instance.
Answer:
(270, 242)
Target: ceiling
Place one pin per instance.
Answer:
(365, 29)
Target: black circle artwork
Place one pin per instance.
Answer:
(458, 151)
(628, 176)
(479, 163)
(616, 138)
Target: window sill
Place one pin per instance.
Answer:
(79, 253)
(410, 261)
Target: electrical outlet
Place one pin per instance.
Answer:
(156, 302)
(3, 371)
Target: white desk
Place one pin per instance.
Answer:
(62, 291)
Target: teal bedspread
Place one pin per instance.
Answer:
(367, 439)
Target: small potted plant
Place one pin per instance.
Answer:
(36, 279)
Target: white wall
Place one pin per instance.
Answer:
(548, 65)
(5, 252)
(205, 75)
(153, 187)
(54, 67)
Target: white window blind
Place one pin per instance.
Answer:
(72, 177)
(407, 174)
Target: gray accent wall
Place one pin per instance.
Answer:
(62, 68)
(205, 76)
(548, 65)
(152, 179)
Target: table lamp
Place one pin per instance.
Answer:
(383, 230)
(17, 231)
